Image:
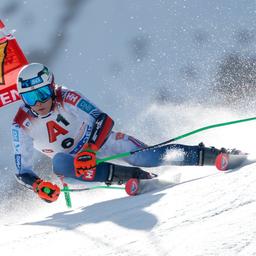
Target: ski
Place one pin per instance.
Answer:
(135, 186)
(226, 161)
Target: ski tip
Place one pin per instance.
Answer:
(222, 161)
(132, 187)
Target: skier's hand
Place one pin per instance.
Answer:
(85, 162)
(46, 190)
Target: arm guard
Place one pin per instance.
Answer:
(101, 130)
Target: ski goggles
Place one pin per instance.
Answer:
(41, 94)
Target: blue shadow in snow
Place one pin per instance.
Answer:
(126, 212)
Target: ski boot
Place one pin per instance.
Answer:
(223, 159)
(128, 175)
(207, 156)
(119, 174)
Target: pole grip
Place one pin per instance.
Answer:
(67, 195)
(66, 191)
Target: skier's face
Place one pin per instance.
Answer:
(44, 108)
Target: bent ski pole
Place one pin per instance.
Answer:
(126, 154)
(90, 188)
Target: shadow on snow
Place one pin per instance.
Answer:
(126, 212)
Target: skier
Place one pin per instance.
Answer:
(66, 126)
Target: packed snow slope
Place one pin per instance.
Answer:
(213, 214)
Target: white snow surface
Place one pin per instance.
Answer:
(209, 212)
(212, 214)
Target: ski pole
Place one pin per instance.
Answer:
(126, 154)
(66, 190)
(90, 188)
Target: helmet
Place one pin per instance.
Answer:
(35, 83)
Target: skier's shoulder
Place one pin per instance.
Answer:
(74, 101)
(71, 97)
(74, 98)
(23, 116)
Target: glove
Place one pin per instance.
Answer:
(46, 190)
(85, 162)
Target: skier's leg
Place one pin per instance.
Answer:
(105, 172)
(174, 154)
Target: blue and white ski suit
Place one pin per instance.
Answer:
(63, 132)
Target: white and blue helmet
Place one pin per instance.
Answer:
(35, 83)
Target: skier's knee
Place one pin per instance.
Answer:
(62, 163)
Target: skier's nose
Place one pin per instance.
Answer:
(38, 103)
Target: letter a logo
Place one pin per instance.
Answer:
(54, 130)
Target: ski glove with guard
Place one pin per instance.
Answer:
(85, 162)
(46, 190)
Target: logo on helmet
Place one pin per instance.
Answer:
(31, 82)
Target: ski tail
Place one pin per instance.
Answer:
(225, 161)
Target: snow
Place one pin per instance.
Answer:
(209, 214)
(92, 46)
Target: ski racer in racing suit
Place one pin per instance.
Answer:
(67, 127)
